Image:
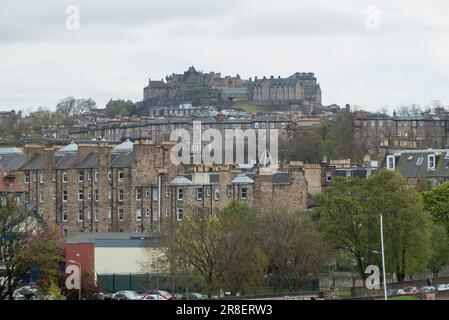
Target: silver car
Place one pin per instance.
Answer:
(127, 295)
(443, 287)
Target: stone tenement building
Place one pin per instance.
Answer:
(379, 132)
(160, 129)
(300, 90)
(136, 188)
(10, 119)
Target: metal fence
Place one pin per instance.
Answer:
(111, 283)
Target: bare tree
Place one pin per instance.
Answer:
(293, 247)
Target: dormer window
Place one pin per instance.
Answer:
(391, 165)
(431, 162)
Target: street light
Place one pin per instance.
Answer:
(382, 253)
(383, 256)
(79, 266)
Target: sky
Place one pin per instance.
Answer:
(373, 54)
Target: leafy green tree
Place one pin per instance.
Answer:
(436, 202)
(53, 293)
(74, 107)
(44, 118)
(42, 252)
(348, 217)
(440, 250)
(120, 107)
(16, 227)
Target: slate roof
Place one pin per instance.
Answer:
(89, 237)
(66, 161)
(280, 177)
(121, 160)
(372, 116)
(11, 162)
(116, 240)
(91, 161)
(36, 163)
(272, 118)
(158, 84)
(273, 82)
(409, 167)
(214, 178)
(311, 89)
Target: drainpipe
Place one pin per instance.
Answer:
(159, 185)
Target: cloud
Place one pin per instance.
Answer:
(122, 43)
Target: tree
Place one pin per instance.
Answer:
(16, 229)
(74, 107)
(44, 118)
(348, 217)
(293, 247)
(412, 110)
(307, 146)
(249, 262)
(120, 107)
(53, 293)
(217, 250)
(436, 202)
(440, 250)
(343, 133)
(198, 244)
(25, 245)
(42, 252)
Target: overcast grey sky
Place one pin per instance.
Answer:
(401, 58)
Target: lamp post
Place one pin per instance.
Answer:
(383, 256)
(79, 266)
(382, 253)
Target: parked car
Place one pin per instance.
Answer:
(427, 289)
(443, 287)
(410, 291)
(101, 296)
(154, 297)
(25, 293)
(193, 296)
(400, 292)
(126, 295)
(165, 294)
(394, 292)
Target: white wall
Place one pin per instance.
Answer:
(125, 260)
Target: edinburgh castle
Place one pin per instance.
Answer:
(298, 91)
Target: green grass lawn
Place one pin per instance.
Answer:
(251, 108)
(404, 298)
(344, 293)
